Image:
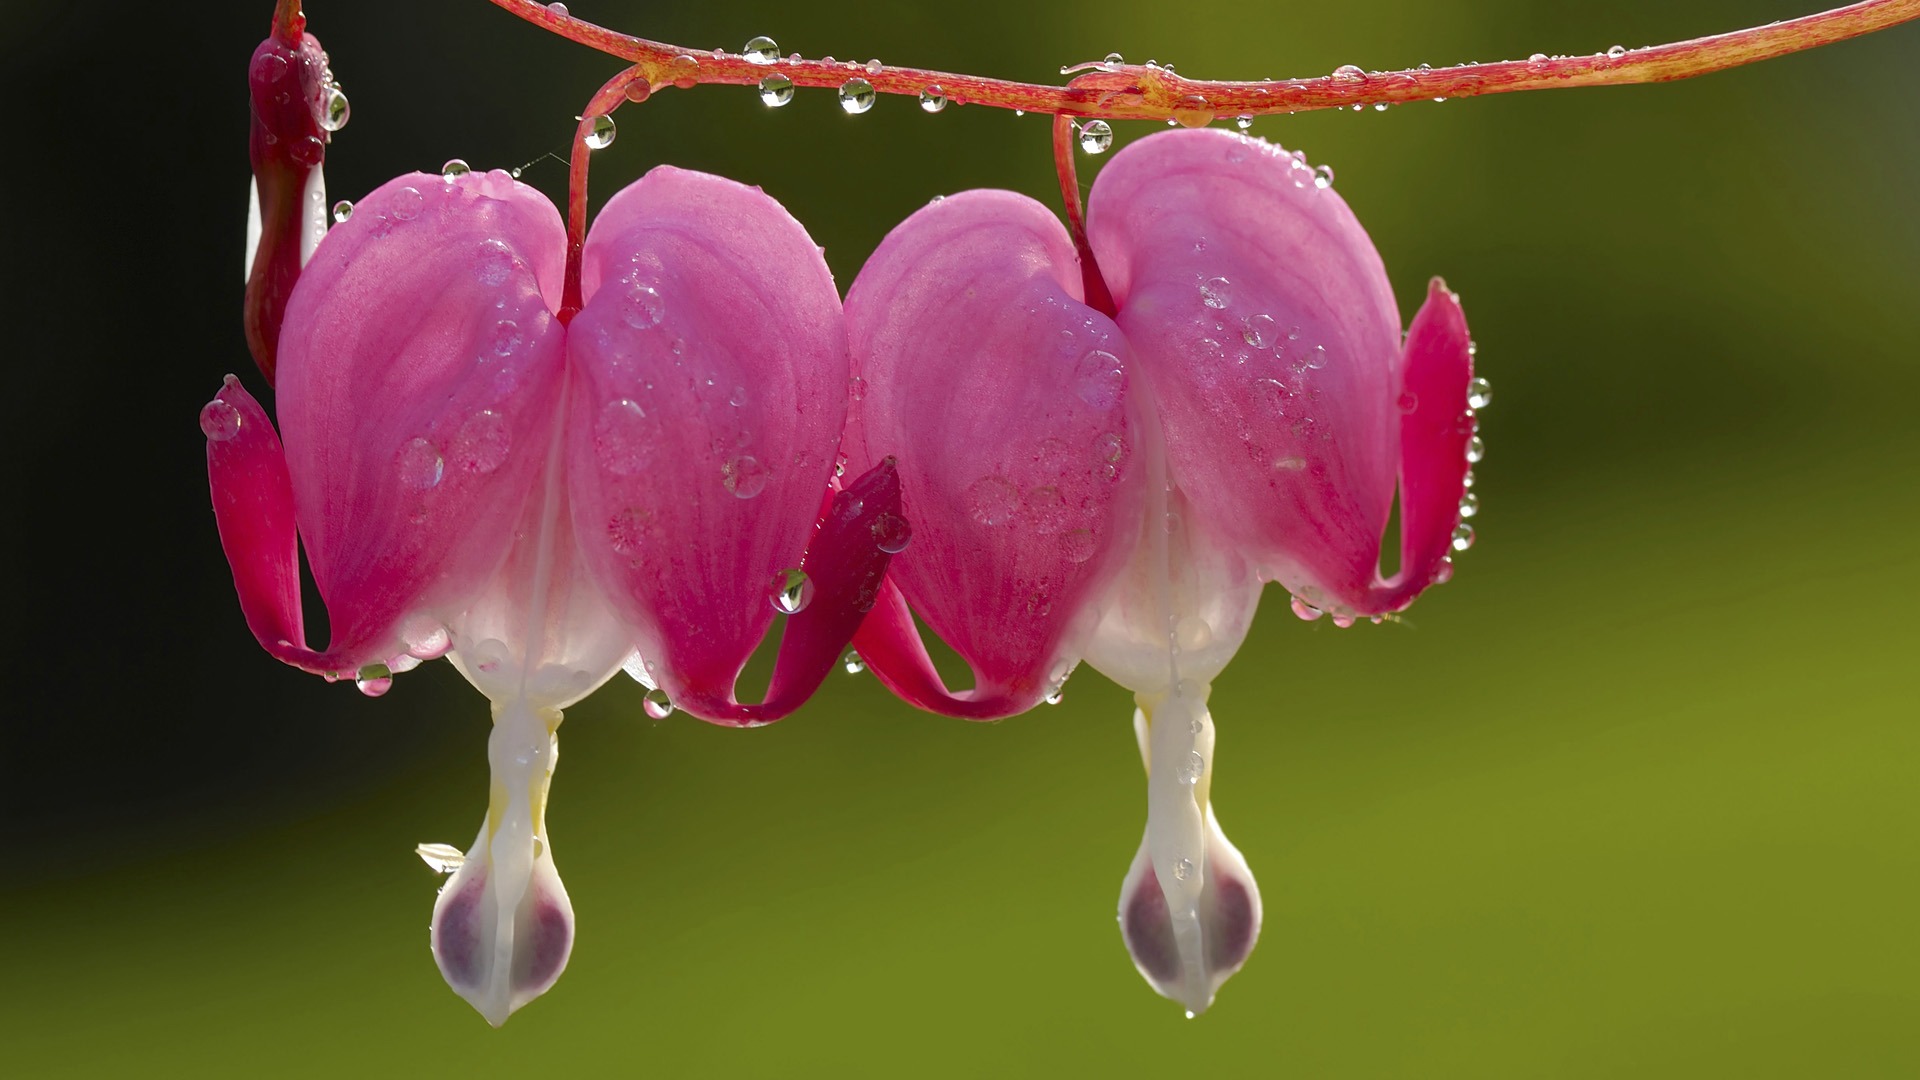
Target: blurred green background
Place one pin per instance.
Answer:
(1633, 794)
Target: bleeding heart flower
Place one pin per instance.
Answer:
(1117, 486)
(545, 501)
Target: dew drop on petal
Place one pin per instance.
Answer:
(761, 50)
(342, 210)
(624, 437)
(1479, 393)
(1462, 536)
(933, 99)
(1244, 123)
(776, 90)
(419, 464)
(641, 307)
(454, 169)
(1097, 378)
(1323, 176)
(992, 500)
(1077, 545)
(1305, 610)
(1216, 293)
(334, 109)
(856, 96)
(1096, 136)
(406, 203)
(1183, 870)
(790, 591)
(657, 705)
(744, 476)
(1194, 767)
(219, 421)
(891, 533)
(269, 68)
(1476, 449)
(481, 444)
(1260, 331)
(1044, 510)
(600, 135)
(852, 663)
(1408, 401)
(374, 680)
(1469, 505)
(492, 262)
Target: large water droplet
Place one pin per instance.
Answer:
(1216, 293)
(419, 464)
(219, 421)
(374, 679)
(624, 437)
(334, 109)
(269, 68)
(558, 8)
(856, 96)
(1469, 504)
(992, 500)
(1479, 393)
(1476, 449)
(933, 99)
(657, 705)
(482, 442)
(1192, 111)
(1098, 378)
(790, 591)
(776, 90)
(1462, 536)
(342, 210)
(600, 135)
(761, 50)
(406, 203)
(852, 663)
(1260, 331)
(1096, 136)
(641, 307)
(744, 476)
(454, 169)
(1077, 545)
(891, 533)
(1305, 610)
(492, 262)
(685, 71)
(1323, 176)
(1349, 73)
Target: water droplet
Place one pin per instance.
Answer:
(629, 529)
(856, 96)
(1192, 633)
(441, 858)
(776, 90)
(992, 500)
(1469, 505)
(1616, 52)
(558, 8)
(1476, 449)
(1045, 510)
(1305, 610)
(933, 99)
(420, 465)
(1194, 767)
(1192, 111)
(269, 68)
(891, 533)
(685, 71)
(1462, 536)
(1216, 293)
(1183, 870)
(506, 337)
(1098, 378)
(1096, 136)
(790, 591)
(744, 476)
(1077, 545)
(1260, 331)
(482, 442)
(852, 663)
(1479, 393)
(641, 307)
(1244, 123)
(1537, 59)
(600, 135)
(874, 67)
(1316, 359)
(406, 203)
(219, 421)
(657, 705)
(624, 437)
(637, 91)
(1349, 73)
(1380, 106)
(1445, 572)
(761, 50)
(454, 169)
(374, 679)
(1109, 447)
(334, 109)
(342, 210)
(1323, 176)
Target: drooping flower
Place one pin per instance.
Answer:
(1117, 487)
(546, 501)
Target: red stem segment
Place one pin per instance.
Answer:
(609, 97)
(1154, 93)
(1092, 282)
(289, 22)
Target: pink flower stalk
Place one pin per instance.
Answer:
(1117, 485)
(546, 497)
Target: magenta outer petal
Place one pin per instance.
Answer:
(709, 393)
(420, 372)
(253, 506)
(1433, 443)
(1264, 322)
(1004, 399)
(286, 145)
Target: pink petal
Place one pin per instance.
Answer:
(1434, 432)
(709, 392)
(1265, 325)
(253, 506)
(1005, 400)
(420, 370)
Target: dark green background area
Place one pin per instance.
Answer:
(1633, 795)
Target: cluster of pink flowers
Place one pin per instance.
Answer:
(549, 490)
